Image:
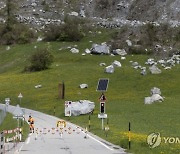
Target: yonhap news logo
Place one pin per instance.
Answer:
(155, 139)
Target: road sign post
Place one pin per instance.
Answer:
(20, 96)
(102, 87)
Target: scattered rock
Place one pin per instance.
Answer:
(87, 51)
(154, 69)
(129, 43)
(135, 64)
(74, 50)
(100, 49)
(102, 64)
(109, 69)
(155, 90)
(116, 63)
(74, 13)
(123, 58)
(83, 86)
(8, 48)
(38, 86)
(143, 72)
(120, 52)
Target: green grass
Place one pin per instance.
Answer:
(9, 124)
(125, 95)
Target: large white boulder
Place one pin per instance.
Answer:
(81, 107)
(100, 49)
(154, 69)
(109, 69)
(155, 96)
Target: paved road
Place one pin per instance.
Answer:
(72, 140)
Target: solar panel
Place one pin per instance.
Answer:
(102, 85)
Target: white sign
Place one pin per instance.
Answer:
(7, 100)
(102, 116)
(18, 117)
(67, 108)
(20, 96)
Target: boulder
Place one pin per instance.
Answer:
(74, 50)
(74, 13)
(81, 107)
(129, 43)
(120, 52)
(87, 51)
(102, 64)
(156, 97)
(154, 69)
(109, 69)
(147, 100)
(143, 72)
(83, 86)
(155, 90)
(135, 64)
(38, 86)
(100, 49)
(116, 63)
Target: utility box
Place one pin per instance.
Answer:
(67, 109)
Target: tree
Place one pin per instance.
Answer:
(13, 32)
(41, 60)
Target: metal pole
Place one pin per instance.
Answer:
(102, 123)
(89, 122)
(129, 135)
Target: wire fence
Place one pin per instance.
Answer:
(2, 115)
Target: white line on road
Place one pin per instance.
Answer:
(28, 140)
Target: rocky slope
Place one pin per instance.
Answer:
(40, 12)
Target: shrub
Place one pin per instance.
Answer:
(40, 60)
(18, 33)
(70, 31)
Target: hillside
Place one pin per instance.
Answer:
(40, 12)
(125, 95)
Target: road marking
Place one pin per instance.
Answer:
(28, 140)
(100, 142)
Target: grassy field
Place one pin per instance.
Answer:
(125, 95)
(9, 123)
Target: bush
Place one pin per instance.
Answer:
(18, 33)
(41, 60)
(70, 31)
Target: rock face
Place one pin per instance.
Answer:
(81, 107)
(155, 96)
(154, 70)
(109, 69)
(100, 49)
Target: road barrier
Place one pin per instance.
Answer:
(2, 143)
(53, 131)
